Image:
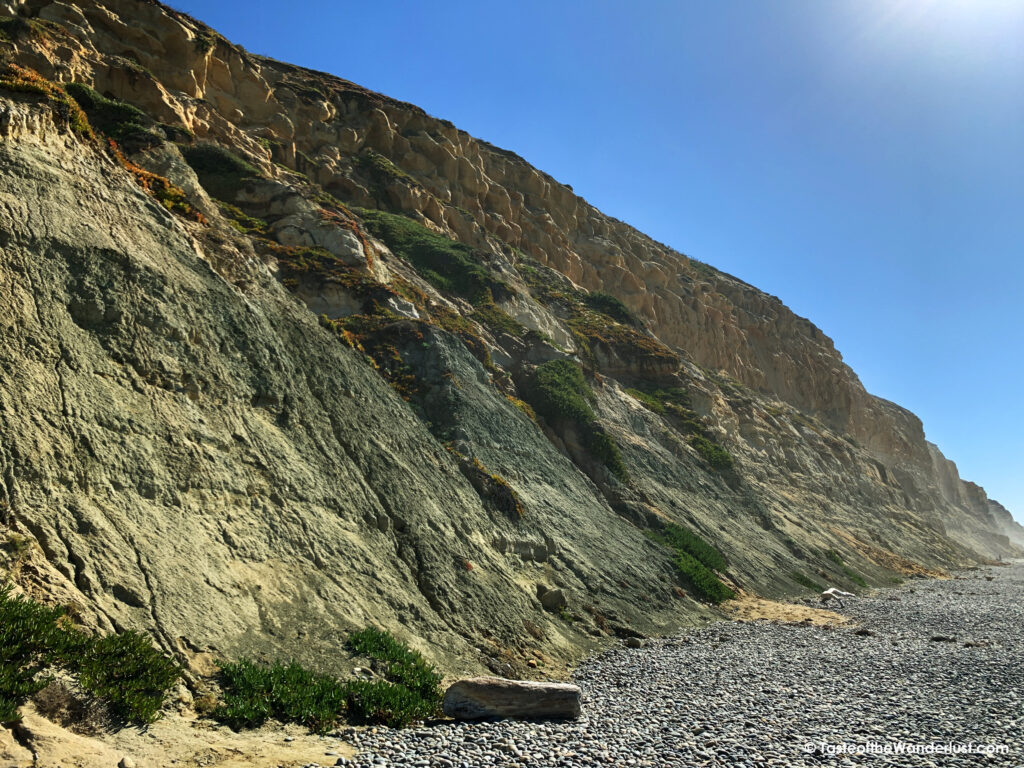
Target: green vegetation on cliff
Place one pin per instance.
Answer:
(851, 574)
(696, 562)
(117, 119)
(220, 171)
(611, 307)
(123, 670)
(674, 402)
(805, 581)
(410, 690)
(446, 264)
(558, 392)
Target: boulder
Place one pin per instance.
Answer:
(479, 697)
(553, 600)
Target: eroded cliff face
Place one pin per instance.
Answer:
(197, 453)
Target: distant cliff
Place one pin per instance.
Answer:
(289, 357)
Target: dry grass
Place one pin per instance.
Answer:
(750, 608)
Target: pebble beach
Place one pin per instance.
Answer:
(930, 673)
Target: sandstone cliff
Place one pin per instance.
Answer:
(268, 369)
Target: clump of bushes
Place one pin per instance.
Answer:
(379, 167)
(253, 693)
(712, 452)
(18, 28)
(701, 579)
(685, 540)
(446, 264)
(851, 574)
(219, 170)
(497, 319)
(160, 188)
(241, 221)
(558, 392)
(668, 400)
(675, 403)
(804, 581)
(399, 663)
(606, 304)
(24, 80)
(410, 689)
(696, 562)
(127, 672)
(119, 120)
(123, 670)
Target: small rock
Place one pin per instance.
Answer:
(942, 639)
(634, 642)
(126, 762)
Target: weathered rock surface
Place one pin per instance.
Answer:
(482, 697)
(192, 453)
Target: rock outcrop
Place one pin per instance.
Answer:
(273, 369)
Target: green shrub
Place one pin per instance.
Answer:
(124, 669)
(239, 220)
(128, 673)
(696, 561)
(18, 28)
(685, 540)
(851, 574)
(712, 452)
(382, 170)
(254, 693)
(400, 664)
(377, 701)
(701, 579)
(559, 391)
(31, 641)
(220, 171)
(117, 119)
(673, 402)
(648, 400)
(608, 305)
(446, 264)
(602, 447)
(495, 318)
(855, 577)
(804, 581)
(66, 109)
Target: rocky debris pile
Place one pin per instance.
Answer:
(745, 694)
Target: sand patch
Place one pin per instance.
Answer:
(749, 608)
(174, 740)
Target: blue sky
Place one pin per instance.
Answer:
(861, 159)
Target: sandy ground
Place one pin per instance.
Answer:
(750, 608)
(176, 740)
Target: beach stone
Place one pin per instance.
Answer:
(481, 697)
